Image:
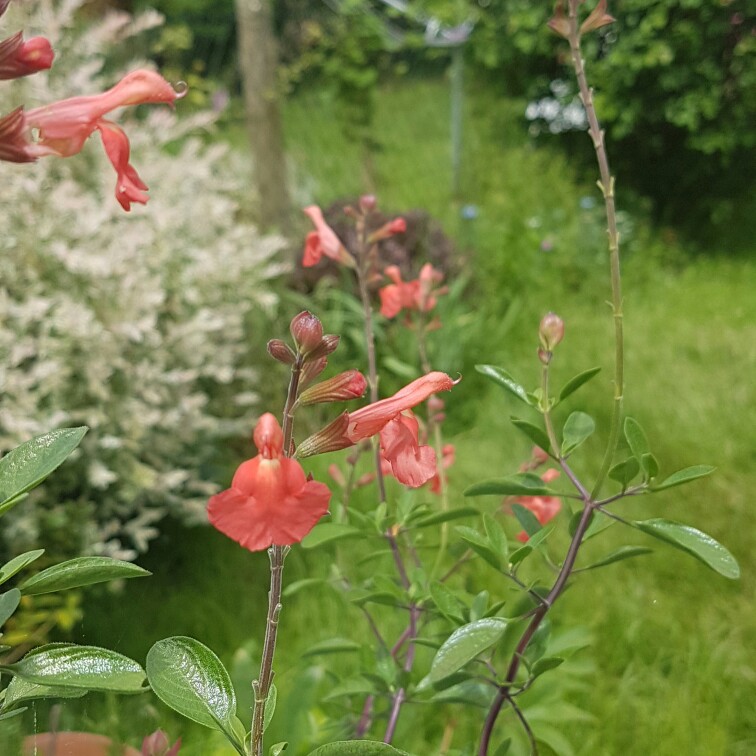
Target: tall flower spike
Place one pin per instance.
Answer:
(271, 501)
(63, 127)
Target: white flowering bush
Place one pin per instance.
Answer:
(132, 324)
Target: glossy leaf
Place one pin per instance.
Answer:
(22, 690)
(624, 552)
(545, 664)
(187, 676)
(9, 714)
(684, 476)
(700, 545)
(88, 667)
(505, 380)
(8, 604)
(270, 706)
(575, 383)
(329, 532)
(527, 519)
(496, 536)
(439, 517)
(278, 749)
(447, 602)
(9, 569)
(578, 427)
(79, 572)
(467, 692)
(533, 432)
(464, 644)
(650, 465)
(333, 646)
(636, 439)
(520, 484)
(625, 472)
(480, 545)
(357, 748)
(28, 465)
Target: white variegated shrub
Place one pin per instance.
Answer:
(132, 324)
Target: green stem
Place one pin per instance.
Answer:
(606, 185)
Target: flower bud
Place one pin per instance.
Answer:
(559, 22)
(551, 331)
(158, 744)
(368, 203)
(307, 331)
(598, 18)
(396, 226)
(327, 345)
(350, 384)
(281, 352)
(311, 370)
(331, 438)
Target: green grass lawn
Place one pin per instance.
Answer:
(672, 673)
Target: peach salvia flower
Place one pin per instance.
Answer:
(420, 294)
(63, 127)
(323, 241)
(545, 508)
(19, 58)
(271, 501)
(411, 463)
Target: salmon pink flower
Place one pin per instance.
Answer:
(419, 295)
(323, 241)
(270, 501)
(19, 58)
(158, 744)
(411, 463)
(545, 508)
(63, 127)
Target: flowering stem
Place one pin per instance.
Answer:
(606, 184)
(277, 555)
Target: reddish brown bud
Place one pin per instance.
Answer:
(311, 370)
(331, 438)
(598, 18)
(282, 352)
(350, 384)
(551, 331)
(307, 331)
(559, 23)
(327, 345)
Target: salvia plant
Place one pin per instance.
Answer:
(427, 639)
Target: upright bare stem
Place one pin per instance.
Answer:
(277, 555)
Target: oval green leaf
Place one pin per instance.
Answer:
(578, 427)
(79, 572)
(357, 748)
(439, 517)
(636, 439)
(8, 604)
(333, 646)
(22, 690)
(684, 476)
(28, 465)
(505, 380)
(533, 432)
(624, 472)
(521, 484)
(575, 383)
(700, 545)
(624, 552)
(328, 532)
(73, 666)
(187, 676)
(464, 644)
(9, 569)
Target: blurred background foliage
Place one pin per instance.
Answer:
(366, 105)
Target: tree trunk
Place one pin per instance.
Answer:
(258, 58)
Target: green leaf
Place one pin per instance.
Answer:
(577, 429)
(503, 748)
(357, 748)
(496, 536)
(28, 465)
(9, 569)
(650, 465)
(8, 604)
(636, 439)
(79, 572)
(353, 686)
(684, 476)
(22, 690)
(187, 676)
(520, 484)
(700, 545)
(298, 585)
(505, 380)
(88, 667)
(328, 532)
(467, 692)
(464, 644)
(527, 519)
(439, 517)
(8, 714)
(533, 432)
(333, 646)
(624, 552)
(480, 545)
(270, 706)
(624, 472)
(544, 664)
(575, 383)
(278, 749)
(447, 602)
